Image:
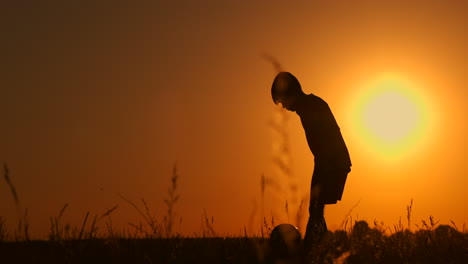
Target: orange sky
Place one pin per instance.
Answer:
(101, 100)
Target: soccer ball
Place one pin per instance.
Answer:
(285, 241)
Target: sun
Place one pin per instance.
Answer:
(391, 116)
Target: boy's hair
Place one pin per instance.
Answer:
(284, 85)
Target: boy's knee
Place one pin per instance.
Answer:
(316, 208)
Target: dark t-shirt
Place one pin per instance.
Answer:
(332, 161)
(323, 133)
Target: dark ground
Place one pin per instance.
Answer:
(361, 245)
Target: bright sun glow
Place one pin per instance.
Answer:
(391, 117)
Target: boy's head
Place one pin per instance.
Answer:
(286, 89)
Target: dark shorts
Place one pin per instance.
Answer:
(328, 184)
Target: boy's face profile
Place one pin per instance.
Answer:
(288, 103)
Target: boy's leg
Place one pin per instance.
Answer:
(316, 226)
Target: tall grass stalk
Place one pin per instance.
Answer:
(300, 215)
(83, 226)
(150, 221)
(429, 225)
(348, 218)
(409, 209)
(22, 229)
(207, 227)
(92, 233)
(14, 194)
(170, 202)
(57, 232)
(282, 158)
(3, 230)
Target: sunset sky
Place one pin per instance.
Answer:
(99, 100)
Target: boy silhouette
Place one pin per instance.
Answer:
(331, 157)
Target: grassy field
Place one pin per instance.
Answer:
(153, 240)
(361, 244)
